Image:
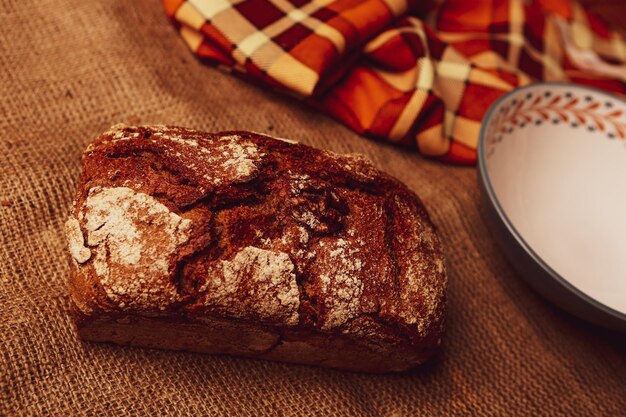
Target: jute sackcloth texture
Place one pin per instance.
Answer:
(69, 70)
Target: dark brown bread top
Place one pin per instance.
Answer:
(174, 222)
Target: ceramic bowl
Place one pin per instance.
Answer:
(552, 162)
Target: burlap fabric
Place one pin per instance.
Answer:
(71, 68)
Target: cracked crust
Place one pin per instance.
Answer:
(185, 240)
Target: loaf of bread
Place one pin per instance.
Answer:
(238, 243)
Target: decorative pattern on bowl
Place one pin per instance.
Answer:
(578, 109)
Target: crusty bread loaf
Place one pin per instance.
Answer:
(243, 244)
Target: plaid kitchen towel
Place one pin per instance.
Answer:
(411, 72)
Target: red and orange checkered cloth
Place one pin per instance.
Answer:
(405, 71)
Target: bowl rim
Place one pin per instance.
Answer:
(486, 180)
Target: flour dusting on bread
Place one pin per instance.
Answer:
(243, 157)
(342, 281)
(418, 276)
(76, 241)
(255, 280)
(133, 236)
(228, 160)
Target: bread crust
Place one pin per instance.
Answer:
(239, 243)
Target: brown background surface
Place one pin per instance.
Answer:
(71, 68)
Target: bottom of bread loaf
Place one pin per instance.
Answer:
(218, 336)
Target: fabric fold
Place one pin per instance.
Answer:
(378, 68)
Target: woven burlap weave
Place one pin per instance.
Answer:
(71, 68)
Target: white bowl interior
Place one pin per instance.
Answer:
(556, 160)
